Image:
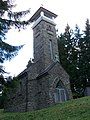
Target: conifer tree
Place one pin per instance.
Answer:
(84, 55)
(7, 20)
(69, 53)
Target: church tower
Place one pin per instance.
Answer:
(44, 35)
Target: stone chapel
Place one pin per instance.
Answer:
(44, 82)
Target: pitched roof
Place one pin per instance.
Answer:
(47, 13)
(47, 69)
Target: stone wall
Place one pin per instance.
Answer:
(16, 97)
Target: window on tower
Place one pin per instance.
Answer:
(51, 49)
(49, 28)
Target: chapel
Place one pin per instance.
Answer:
(44, 82)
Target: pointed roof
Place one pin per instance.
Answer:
(47, 13)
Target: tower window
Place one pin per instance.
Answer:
(20, 87)
(49, 28)
(51, 49)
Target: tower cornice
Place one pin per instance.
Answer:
(45, 19)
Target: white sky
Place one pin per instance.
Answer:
(68, 11)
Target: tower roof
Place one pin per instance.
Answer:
(47, 13)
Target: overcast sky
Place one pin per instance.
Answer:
(68, 11)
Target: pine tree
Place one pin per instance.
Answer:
(7, 51)
(87, 50)
(64, 45)
(8, 19)
(84, 55)
(69, 55)
(78, 86)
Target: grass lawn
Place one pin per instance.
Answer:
(78, 109)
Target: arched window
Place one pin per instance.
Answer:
(60, 93)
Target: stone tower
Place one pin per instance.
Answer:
(44, 33)
(44, 82)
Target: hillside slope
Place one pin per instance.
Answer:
(78, 109)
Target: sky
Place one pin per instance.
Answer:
(69, 11)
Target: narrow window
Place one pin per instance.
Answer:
(20, 87)
(51, 49)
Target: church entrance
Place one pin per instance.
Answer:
(60, 93)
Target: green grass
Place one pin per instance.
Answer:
(78, 109)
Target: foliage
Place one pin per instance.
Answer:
(7, 20)
(71, 110)
(1, 102)
(6, 87)
(74, 52)
(10, 84)
(84, 55)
